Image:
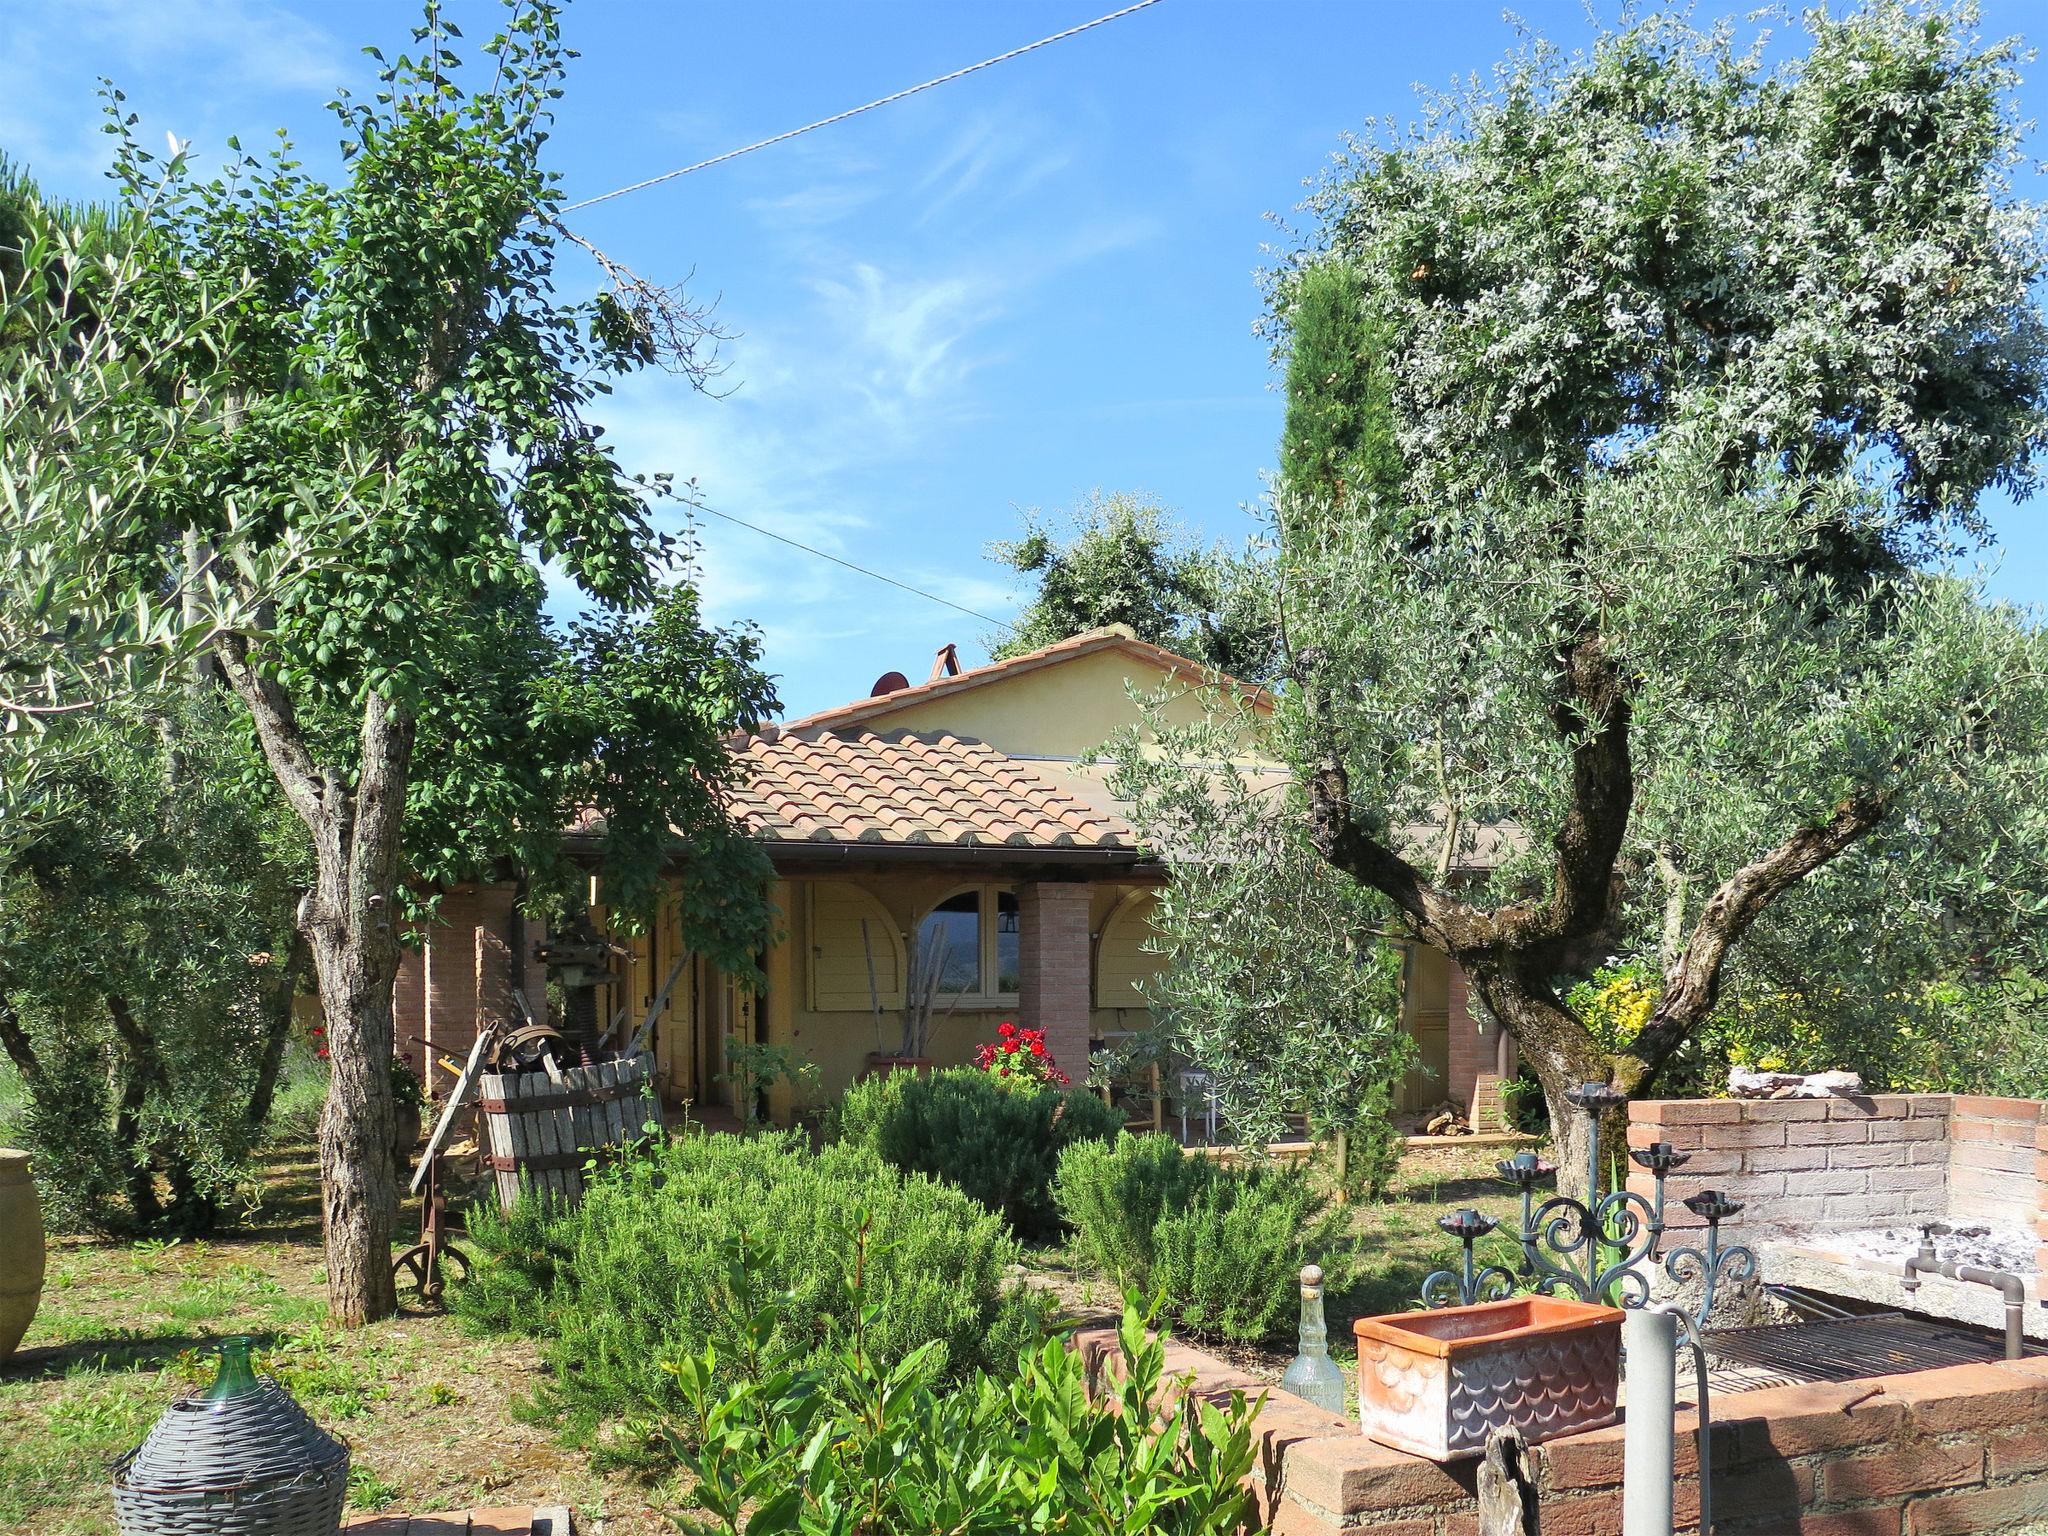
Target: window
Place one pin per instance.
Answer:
(1009, 964)
(950, 938)
(974, 934)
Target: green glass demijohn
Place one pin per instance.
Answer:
(237, 1459)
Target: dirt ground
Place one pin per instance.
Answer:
(430, 1414)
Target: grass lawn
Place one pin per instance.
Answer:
(125, 1327)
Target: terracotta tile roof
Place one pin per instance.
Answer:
(1118, 637)
(907, 787)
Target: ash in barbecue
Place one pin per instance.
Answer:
(1986, 1247)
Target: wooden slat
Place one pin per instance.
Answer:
(520, 1130)
(617, 1075)
(572, 1122)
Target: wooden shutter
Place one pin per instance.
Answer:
(839, 964)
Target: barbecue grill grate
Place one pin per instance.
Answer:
(1841, 1349)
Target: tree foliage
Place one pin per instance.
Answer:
(1123, 562)
(391, 355)
(1275, 980)
(1698, 369)
(148, 969)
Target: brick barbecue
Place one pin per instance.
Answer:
(1836, 1190)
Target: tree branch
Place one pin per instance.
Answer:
(277, 729)
(20, 1050)
(1439, 917)
(1592, 712)
(1692, 981)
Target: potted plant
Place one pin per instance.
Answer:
(1440, 1383)
(1017, 1058)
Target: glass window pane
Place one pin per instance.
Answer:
(1009, 970)
(952, 931)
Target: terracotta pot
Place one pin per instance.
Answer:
(881, 1065)
(21, 1249)
(1439, 1383)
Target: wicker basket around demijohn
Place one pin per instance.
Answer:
(239, 1459)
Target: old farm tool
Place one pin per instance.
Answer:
(421, 1272)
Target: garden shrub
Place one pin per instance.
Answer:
(818, 1445)
(1220, 1245)
(1001, 1143)
(639, 1274)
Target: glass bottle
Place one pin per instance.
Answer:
(237, 1374)
(1313, 1375)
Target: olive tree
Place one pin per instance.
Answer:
(1697, 369)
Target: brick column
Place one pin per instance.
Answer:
(1473, 1074)
(449, 959)
(1053, 959)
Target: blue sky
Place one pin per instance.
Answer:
(999, 295)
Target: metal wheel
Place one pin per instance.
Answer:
(420, 1286)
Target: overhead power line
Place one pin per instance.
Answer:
(783, 538)
(840, 117)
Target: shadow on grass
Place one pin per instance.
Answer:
(123, 1351)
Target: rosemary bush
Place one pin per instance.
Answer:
(1220, 1246)
(1000, 1144)
(637, 1274)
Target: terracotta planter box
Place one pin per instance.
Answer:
(1440, 1383)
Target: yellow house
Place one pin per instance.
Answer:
(951, 820)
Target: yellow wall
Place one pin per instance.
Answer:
(839, 1041)
(1425, 1006)
(1062, 709)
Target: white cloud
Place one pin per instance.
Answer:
(220, 55)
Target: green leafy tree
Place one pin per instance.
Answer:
(1339, 437)
(402, 362)
(1123, 562)
(148, 967)
(90, 618)
(1693, 363)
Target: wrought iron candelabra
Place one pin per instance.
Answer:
(1604, 1248)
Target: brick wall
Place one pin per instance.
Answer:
(439, 984)
(1052, 955)
(1933, 1453)
(1993, 1162)
(1892, 1158)
(1473, 1054)
(1825, 1162)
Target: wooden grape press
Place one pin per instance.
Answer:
(546, 1106)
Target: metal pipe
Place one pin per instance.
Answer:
(1649, 1339)
(2009, 1286)
(1703, 1436)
